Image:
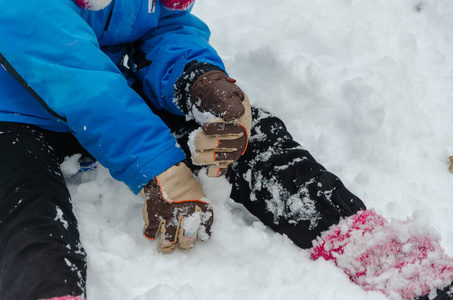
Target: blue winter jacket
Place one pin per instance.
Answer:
(61, 71)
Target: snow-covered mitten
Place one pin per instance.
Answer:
(176, 206)
(216, 93)
(218, 143)
(401, 259)
(214, 101)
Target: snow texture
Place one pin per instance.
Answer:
(59, 218)
(71, 165)
(191, 224)
(365, 86)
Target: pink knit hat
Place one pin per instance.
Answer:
(65, 298)
(101, 4)
(177, 4)
(93, 4)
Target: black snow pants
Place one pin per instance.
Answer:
(280, 182)
(40, 253)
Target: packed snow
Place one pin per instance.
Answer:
(365, 86)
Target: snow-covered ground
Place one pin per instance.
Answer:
(365, 85)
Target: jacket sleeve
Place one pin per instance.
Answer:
(55, 54)
(179, 38)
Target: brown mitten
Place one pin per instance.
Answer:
(216, 93)
(218, 143)
(223, 137)
(451, 164)
(176, 207)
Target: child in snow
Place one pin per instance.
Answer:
(117, 80)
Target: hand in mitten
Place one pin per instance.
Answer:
(225, 114)
(176, 207)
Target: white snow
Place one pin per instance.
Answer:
(59, 218)
(366, 86)
(70, 166)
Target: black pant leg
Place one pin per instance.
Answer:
(282, 184)
(40, 251)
